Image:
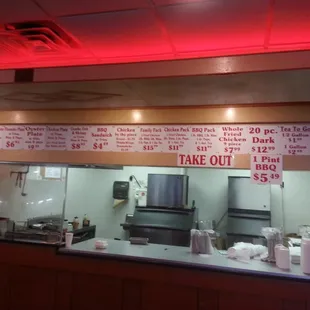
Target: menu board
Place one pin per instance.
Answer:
(266, 169)
(178, 139)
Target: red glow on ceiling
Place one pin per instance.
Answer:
(121, 31)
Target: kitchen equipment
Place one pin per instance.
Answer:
(167, 190)
(282, 255)
(162, 225)
(120, 190)
(248, 210)
(305, 254)
(69, 238)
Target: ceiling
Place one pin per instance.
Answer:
(71, 32)
(245, 88)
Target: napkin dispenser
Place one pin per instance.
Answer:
(120, 190)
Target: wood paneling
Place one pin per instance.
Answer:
(208, 299)
(4, 287)
(294, 304)
(183, 115)
(32, 288)
(96, 292)
(233, 300)
(132, 295)
(166, 297)
(63, 291)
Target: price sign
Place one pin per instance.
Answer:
(232, 139)
(202, 139)
(266, 169)
(34, 138)
(13, 137)
(295, 139)
(205, 160)
(126, 138)
(264, 139)
(176, 139)
(56, 138)
(101, 138)
(149, 139)
(1, 136)
(78, 138)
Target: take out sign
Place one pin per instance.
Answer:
(205, 160)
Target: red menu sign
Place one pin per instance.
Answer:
(101, 138)
(35, 137)
(13, 137)
(295, 139)
(78, 138)
(232, 139)
(176, 139)
(264, 140)
(125, 138)
(149, 139)
(205, 160)
(266, 169)
(56, 138)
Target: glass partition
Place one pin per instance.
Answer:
(32, 200)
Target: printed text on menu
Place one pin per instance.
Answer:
(198, 139)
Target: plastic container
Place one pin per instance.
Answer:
(305, 255)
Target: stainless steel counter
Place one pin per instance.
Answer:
(182, 257)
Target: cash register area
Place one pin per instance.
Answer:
(207, 212)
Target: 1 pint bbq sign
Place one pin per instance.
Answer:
(266, 169)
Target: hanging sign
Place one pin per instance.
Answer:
(295, 139)
(264, 140)
(205, 160)
(266, 169)
(150, 139)
(13, 137)
(205, 140)
(101, 139)
(78, 138)
(56, 138)
(35, 137)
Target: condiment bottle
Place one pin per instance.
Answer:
(85, 221)
(75, 223)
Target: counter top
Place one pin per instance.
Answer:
(182, 257)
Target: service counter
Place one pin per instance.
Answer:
(128, 277)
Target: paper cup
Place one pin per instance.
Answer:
(69, 238)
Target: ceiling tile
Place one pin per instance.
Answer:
(172, 2)
(216, 24)
(291, 22)
(73, 7)
(118, 34)
(9, 12)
